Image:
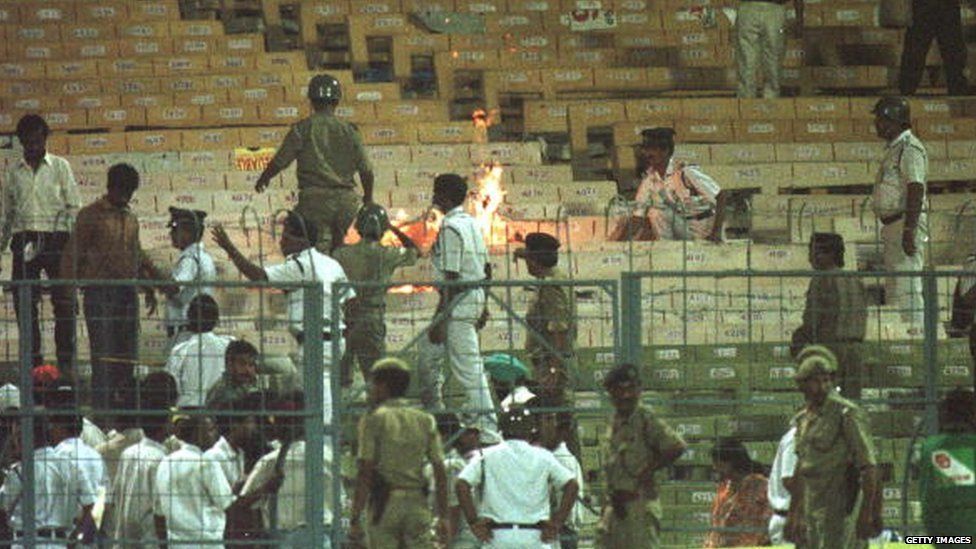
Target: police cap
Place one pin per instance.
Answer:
(893, 108)
(813, 360)
(179, 216)
(391, 363)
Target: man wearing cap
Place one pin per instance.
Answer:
(760, 38)
(460, 256)
(194, 267)
(678, 201)
(303, 263)
(640, 443)
(836, 495)
(898, 200)
(395, 443)
(514, 478)
(836, 312)
(329, 152)
(370, 261)
(934, 20)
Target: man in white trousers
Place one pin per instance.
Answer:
(897, 200)
(459, 255)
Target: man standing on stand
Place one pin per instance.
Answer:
(40, 198)
(897, 200)
(934, 20)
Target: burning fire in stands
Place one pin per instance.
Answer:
(485, 197)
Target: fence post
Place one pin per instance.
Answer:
(313, 383)
(630, 318)
(27, 419)
(930, 300)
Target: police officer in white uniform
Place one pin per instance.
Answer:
(897, 200)
(459, 255)
(194, 266)
(514, 478)
(760, 39)
(303, 263)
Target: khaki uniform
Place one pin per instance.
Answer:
(225, 391)
(905, 161)
(329, 152)
(635, 441)
(760, 39)
(400, 440)
(836, 316)
(828, 441)
(368, 261)
(551, 312)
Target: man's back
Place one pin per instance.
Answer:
(328, 151)
(197, 364)
(59, 488)
(132, 491)
(369, 261)
(400, 440)
(192, 493)
(460, 246)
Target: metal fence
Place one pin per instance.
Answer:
(713, 348)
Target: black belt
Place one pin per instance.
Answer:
(514, 526)
(892, 218)
(779, 513)
(58, 533)
(300, 338)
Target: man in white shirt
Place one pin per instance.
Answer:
(128, 516)
(898, 201)
(459, 255)
(40, 199)
(194, 267)
(514, 478)
(779, 476)
(303, 263)
(63, 496)
(190, 491)
(65, 433)
(277, 483)
(198, 362)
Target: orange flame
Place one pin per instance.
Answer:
(485, 201)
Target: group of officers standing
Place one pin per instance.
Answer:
(395, 440)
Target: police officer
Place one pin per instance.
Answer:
(836, 312)
(370, 261)
(395, 443)
(838, 499)
(897, 200)
(640, 443)
(552, 324)
(760, 39)
(459, 255)
(195, 266)
(934, 20)
(329, 152)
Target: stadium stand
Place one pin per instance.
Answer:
(197, 110)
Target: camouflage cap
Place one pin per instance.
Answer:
(815, 359)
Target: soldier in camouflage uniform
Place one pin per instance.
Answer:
(836, 496)
(329, 151)
(835, 314)
(370, 261)
(640, 444)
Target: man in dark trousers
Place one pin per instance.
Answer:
(105, 246)
(40, 198)
(934, 20)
